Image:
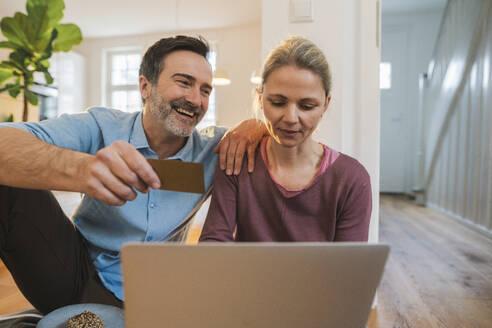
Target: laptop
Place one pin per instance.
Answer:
(254, 285)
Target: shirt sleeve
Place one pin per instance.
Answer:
(221, 220)
(353, 222)
(79, 132)
(214, 131)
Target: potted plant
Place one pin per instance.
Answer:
(33, 38)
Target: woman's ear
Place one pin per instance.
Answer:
(327, 102)
(259, 91)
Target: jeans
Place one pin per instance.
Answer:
(45, 253)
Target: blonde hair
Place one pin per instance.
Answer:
(302, 53)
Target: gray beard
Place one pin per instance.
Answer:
(162, 111)
(177, 129)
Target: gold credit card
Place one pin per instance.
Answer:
(179, 176)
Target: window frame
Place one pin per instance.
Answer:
(108, 78)
(213, 95)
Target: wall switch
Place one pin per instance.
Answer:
(301, 11)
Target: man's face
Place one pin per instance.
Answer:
(179, 100)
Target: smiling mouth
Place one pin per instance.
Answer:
(185, 112)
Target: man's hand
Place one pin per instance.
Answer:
(243, 137)
(113, 174)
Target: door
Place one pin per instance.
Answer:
(394, 130)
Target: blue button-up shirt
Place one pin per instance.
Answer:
(150, 217)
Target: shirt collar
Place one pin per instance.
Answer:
(185, 154)
(138, 139)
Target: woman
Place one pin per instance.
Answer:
(300, 190)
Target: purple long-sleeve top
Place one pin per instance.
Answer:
(252, 207)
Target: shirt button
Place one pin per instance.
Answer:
(152, 205)
(149, 238)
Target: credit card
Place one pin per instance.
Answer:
(179, 176)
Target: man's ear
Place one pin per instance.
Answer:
(144, 86)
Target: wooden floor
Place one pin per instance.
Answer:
(439, 273)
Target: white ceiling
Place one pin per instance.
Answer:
(399, 6)
(102, 18)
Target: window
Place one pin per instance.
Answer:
(122, 76)
(209, 118)
(385, 75)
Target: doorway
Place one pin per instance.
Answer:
(394, 125)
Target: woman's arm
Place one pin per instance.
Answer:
(353, 222)
(220, 223)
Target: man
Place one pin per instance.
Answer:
(102, 154)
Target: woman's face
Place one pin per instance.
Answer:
(293, 102)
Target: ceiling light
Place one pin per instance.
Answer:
(255, 78)
(221, 78)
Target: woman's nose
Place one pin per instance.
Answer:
(291, 114)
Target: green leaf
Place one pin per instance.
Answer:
(44, 63)
(42, 9)
(44, 69)
(5, 74)
(14, 91)
(4, 65)
(10, 86)
(31, 97)
(20, 58)
(9, 45)
(48, 77)
(44, 15)
(69, 35)
(9, 65)
(15, 28)
(13, 65)
(48, 51)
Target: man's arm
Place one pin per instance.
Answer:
(30, 163)
(242, 138)
(112, 175)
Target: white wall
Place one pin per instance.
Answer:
(458, 107)
(422, 29)
(347, 32)
(238, 53)
(69, 68)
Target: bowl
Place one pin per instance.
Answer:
(111, 316)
